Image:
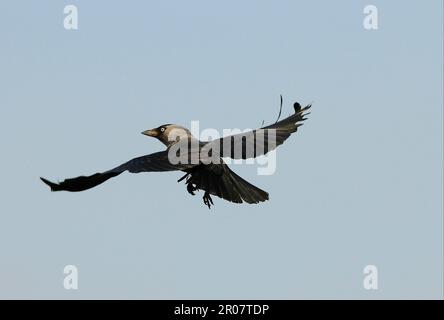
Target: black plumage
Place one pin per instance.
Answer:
(214, 178)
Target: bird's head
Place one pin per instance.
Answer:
(168, 133)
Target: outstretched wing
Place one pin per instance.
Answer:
(150, 163)
(258, 142)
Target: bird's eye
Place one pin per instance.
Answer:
(162, 129)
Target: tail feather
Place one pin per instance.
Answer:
(248, 192)
(220, 181)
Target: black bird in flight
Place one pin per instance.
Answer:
(213, 177)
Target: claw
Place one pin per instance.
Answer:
(207, 200)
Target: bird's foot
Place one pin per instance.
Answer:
(191, 188)
(207, 200)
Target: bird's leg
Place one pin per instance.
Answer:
(207, 200)
(186, 175)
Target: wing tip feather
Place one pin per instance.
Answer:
(52, 185)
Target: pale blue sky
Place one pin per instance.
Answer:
(361, 183)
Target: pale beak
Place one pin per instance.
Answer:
(150, 133)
